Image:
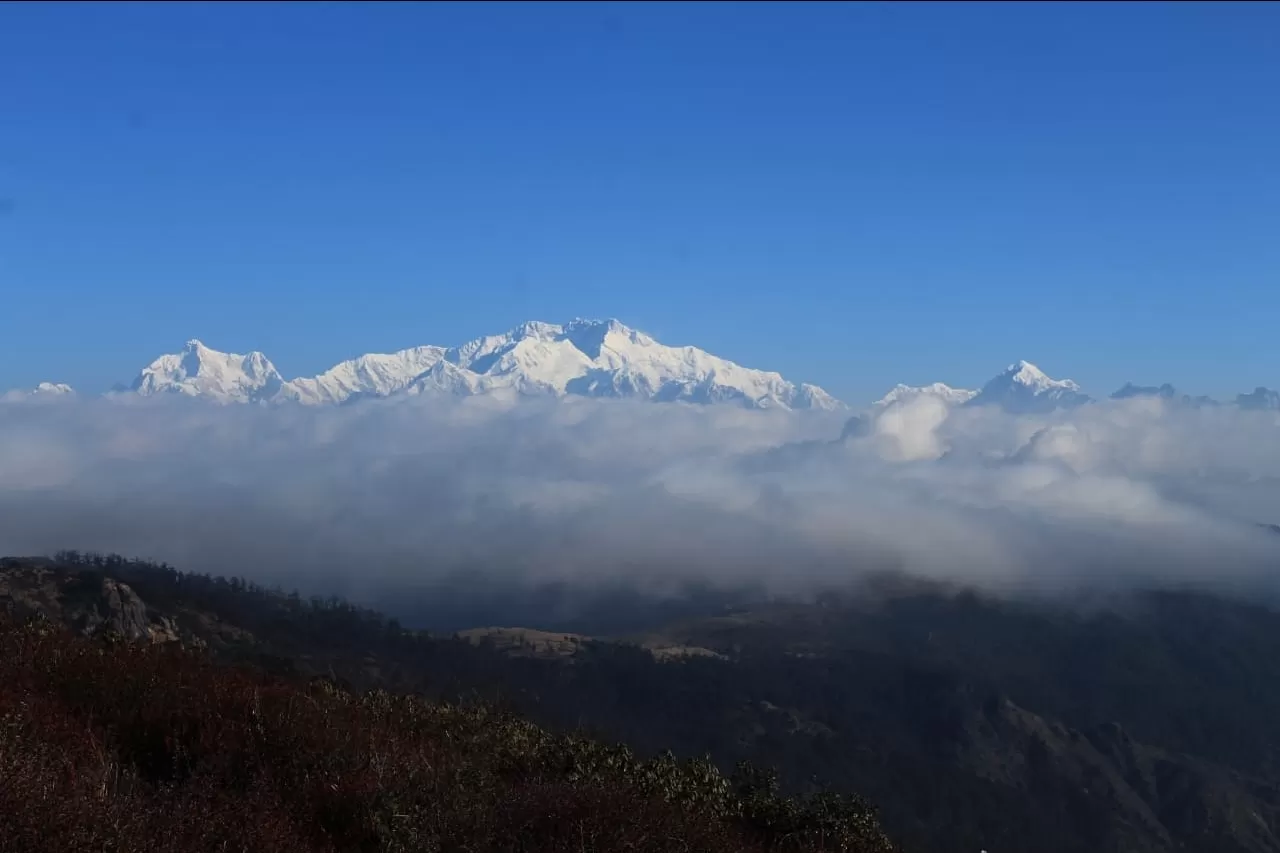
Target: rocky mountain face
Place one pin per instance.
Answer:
(89, 603)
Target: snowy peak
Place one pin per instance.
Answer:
(1028, 375)
(905, 393)
(594, 358)
(198, 371)
(606, 358)
(43, 391)
(533, 358)
(1025, 388)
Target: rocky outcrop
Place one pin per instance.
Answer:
(89, 603)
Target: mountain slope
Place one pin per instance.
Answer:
(604, 358)
(198, 371)
(375, 374)
(117, 738)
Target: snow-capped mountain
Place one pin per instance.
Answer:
(1260, 398)
(198, 371)
(45, 390)
(581, 358)
(945, 393)
(1021, 388)
(376, 374)
(608, 359)
(1024, 388)
(586, 358)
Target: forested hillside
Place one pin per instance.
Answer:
(971, 723)
(108, 744)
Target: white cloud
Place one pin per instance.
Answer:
(409, 490)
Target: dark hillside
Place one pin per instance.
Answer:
(972, 723)
(113, 745)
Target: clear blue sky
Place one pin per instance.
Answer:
(853, 195)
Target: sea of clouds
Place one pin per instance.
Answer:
(397, 494)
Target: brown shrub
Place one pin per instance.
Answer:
(111, 746)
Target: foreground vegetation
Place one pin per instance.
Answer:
(112, 745)
(1148, 725)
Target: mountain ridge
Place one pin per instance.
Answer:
(585, 358)
(592, 358)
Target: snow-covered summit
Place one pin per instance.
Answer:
(593, 358)
(44, 390)
(1021, 387)
(605, 358)
(199, 371)
(1027, 374)
(1025, 388)
(905, 393)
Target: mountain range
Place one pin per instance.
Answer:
(586, 358)
(1023, 388)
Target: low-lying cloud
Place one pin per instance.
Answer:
(403, 494)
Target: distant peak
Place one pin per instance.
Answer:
(1130, 390)
(194, 344)
(939, 390)
(1023, 387)
(1260, 398)
(1025, 370)
(53, 388)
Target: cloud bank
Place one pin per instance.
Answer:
(499, 495)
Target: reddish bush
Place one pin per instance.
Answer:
(111, 746)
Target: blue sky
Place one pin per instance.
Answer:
(852, 195)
